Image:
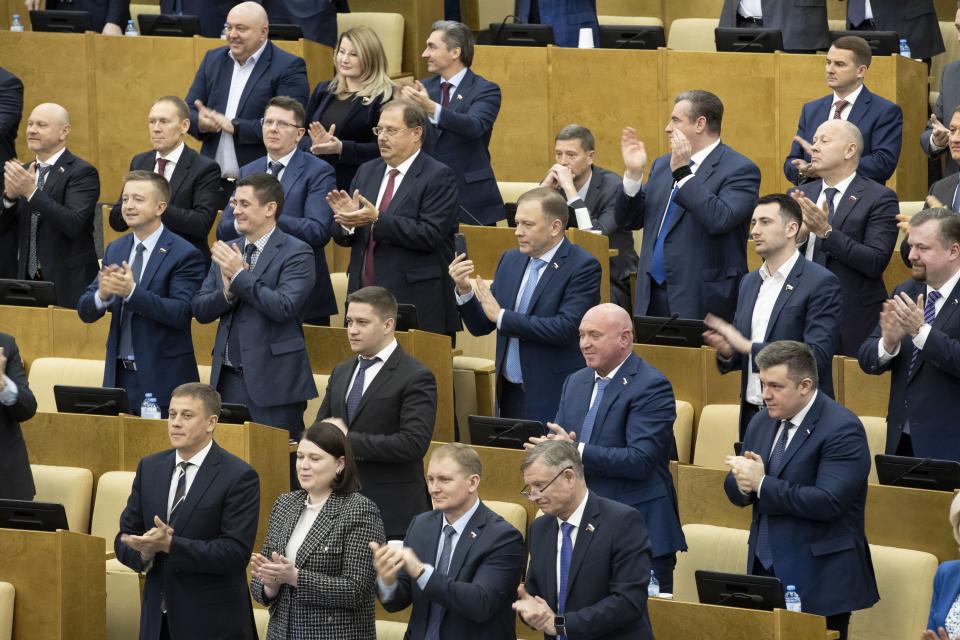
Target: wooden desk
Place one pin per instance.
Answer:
(673, 620)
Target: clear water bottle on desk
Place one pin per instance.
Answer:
(16, 25)
(131, 29)
(792, 598)
(653, 588)
(226, 30)
(150, 408)
(904, 48)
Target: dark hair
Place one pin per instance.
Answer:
(328, 437)
(948, 227)
(862, 55)
(382, 301)
(266, 189)
(183, 111)
(796, 355)
(207, 395)
(576, 132)
(705, 104)
(789, 208)
(456, 34)
(413, 114)
(288, 104)
(551, 203)
(160, 184)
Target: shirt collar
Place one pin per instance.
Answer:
(784, 269)
(385, 353)
(150, 242)
(841, 186)
(173, 156)
(947, 287)
(701, 155)
(586, 187)
(549, 253)
(456, 80)
(261, 242)
(799, 417)
(199, 457)
(577, 516)
(404, 166)
(463, 520)
(852, 98)
(252, 60)
(285, 160)
(613, 372)
(52, 160)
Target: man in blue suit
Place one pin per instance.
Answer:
(460, 564)
(306, 181)
(918, 339)
(566, 17)
(189, 525)
(589, 556)
(257, 288)
(462, 108)
(316, 18)
(148, 280)
(620, 411)
(212, 13)
(231, 89)
(804, 470)
(787, 298)
(879, 120)
(694, 210)
(108, 16)
(539, 295)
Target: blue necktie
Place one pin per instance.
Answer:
(764, 552)
(232, 354)
(929, 315)
(658, 270)
(356, 391)
(587, 429)
(566, 555)
(856, 12)
(511, 368)
(436, 610)
(125, 350)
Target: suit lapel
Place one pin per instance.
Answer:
(385, 373)
(547, 273)
(269, 252)
(803, 432)
(58, 171)
(847, 202)
(906, 345)
(258, 70)
(460, 97)
(470, 535)
(291, 174)
(180, 170)
(749, 295)
(619, 383)
(792, 282)
(157, 256)
(585, 535)
(406, 185)
(320, 530)
(550, 559)
(201, 482)
(859, 108)
(161, 491)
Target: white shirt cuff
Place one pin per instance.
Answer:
(631, 187)
(435, 118)
(425, 577)
(463, 299)
(386, 591)
(921, 338)
(9, 394)
(580, 446)
(129, 295)
(100, 303)
(584, 223)
(882, 355)
(500, 318)
(760, 486)
(934, 147)
(348, 230)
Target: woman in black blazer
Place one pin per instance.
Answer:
(342, 112)
(315, 571)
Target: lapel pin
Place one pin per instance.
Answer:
(473, 535)
(854, 198)
(590, 528)
(789, 287)
(808, 431)
(624, 381)
(61, 169)
(325, 549)
(162, 250)
(459, 96)
(556, 266)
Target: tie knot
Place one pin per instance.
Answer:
(448, 531)
(602, 383)
(249, 250)
(933, 296)
(140, 249)
(183, 466)
(43, 169)
(838, 108)
(536, 264)
(393, 173)
(274, 167)
(567, 529)
(366, 363)
(830, 192)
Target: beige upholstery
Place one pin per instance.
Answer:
(640, 21)
(837, 25)
(693, 34)
(468, 375)
(683, 430)
(113, 490)
(388, 630)
(387, 26)
(511, 512)
(314, 405)
(47, 372)
(712, 549)
(717, 430)
(911, 207)
(876, 429)
(491, 11)
(70, 486)
(905, 582)
(7, 593)
(339, 282)
(204, 371)
(123, 602)
(136, 8)
(952, 52)
(511, 191)
(262, 618)
(934, 96)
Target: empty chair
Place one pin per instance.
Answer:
(717, 430)
(876, 429)
(511, 191)
(387, 26)
(693, 34)
(388, 630)
(638, 21)
(512, 513)
(113, 490)
(709, 548)
(47, 372)
(70, 486)
(314, 405)
(683, 430)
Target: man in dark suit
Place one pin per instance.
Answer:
(539, 294)
(589, 556)
(386, 403)
(17, 404)
(212, 13)
(257, 288)
(566, 17)
(11, 109)
(918, 339)
(195, 192)
(620, 411)
(190, 524)
(591, 193)
(804, 470)
(879, 120)
(935, 138)
(915, 20)
(108, 16)
(52, 200)
(462, 108)
(232, 87)
(802, 23)
(851, 227)
(400, 220)
(147, 283)
(460, 564)
(788, 298)
(316, 18)
(306, 180)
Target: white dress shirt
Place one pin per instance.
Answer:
(285, 161)
(584, 222)
(841, 188)
(750, 9)
(195, 462)
(921, 338)
(455, 81)
(172, 159)
(373, 369)
(307, 517)
(795, 423)
(593, 396)
(851, 100)
(403, 168)
(226, 155)
(9, 393)
(575, 519)
(149, 244)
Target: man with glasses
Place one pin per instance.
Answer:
(589, 557)
(306, 180)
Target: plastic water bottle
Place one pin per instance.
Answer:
(904, 48)
(150, 408)
(792, 598)
(131, 29)
(226, 30)
(653, 589)
(16, 25)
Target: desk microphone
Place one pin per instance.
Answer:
(737, 595)
(97, 407)
(909, 470)
(749, 43)
(496, 39)
(506, 431)
(660, 327)
(471, 216)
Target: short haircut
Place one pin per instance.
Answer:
(328, 437)
(288, 104)
(796, 355)
(948, 227)
(577, 132)
(413, 114)
(183, 111)
(558, 454)
(456, 34)
(551, 202)
(160, 184)
(862, 55)
(703, 103)
(789, 208)
(266, 189)
(207, 395)
(383, 302)
(464, 455)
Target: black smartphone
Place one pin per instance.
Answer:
(460, 245)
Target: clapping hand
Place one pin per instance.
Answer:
(322, 141)
(634, 154)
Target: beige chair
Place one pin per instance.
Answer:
(473, 390)
(512, 513)
(639, 21)
(717, 430)
(123, 602)
(113, 490)
(47, 372)
(910, 207)
(693, 34)
(683, 430)
(204, 371)
(261, 618)
(876, 429)
(709, 548)
(837, 25)
(388, 630)
(70, 486)
(136, 8)
(387, 26)
(314, 405)
(493, 11)
(511, 191)
(939, 62)
(339, 282)
(7, 597)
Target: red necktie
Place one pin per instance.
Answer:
(369, 272)
(445, 88)
(162, 166)
(838, 108)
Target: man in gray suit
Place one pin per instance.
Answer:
(934, 139)
(591, 193)
(802, 22)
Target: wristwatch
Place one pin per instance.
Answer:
(826, 234)
(560, 625)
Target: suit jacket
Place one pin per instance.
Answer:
(389, 434)
(946, 588)
(461, 140)
(705, 251)
(269, 301)
(18, 479)
(478, 589)
(276, 73)
(67, 206)
(803, 23)
(195, 197)
(548, 331)
(609, 572)
(601, 204)
(316, 18)
(924, 396)
(414, 240)
(212, 13)
(807, 310)
(915, 20)
(101, 11)
(334, 595)
(814, 506)
(160, 315)
(203, 578)
(305, 216)
(879, 120)
(947, 102)
(11, 108)
(857, 251)
(566, 17)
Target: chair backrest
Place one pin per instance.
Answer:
(7, 596)
(951, 53)
(693, 34)
(387, 26)
(113, 490)
(47, 372)
(389, 630)
(511, 191)
(204, 371)
(683, 430)
(339, 281)
(261, 618)
(876, 429)
(710, 548)
(511, 512)
(639, 21)
(314, 405)
(910, 207)
(837, 25)
(70, 486)
(717, 430)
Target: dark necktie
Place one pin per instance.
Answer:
(233, 355)
(566, 555)
(838, 108)
(929, 315)
(369, 267)
(126, 332)
(856, 12)
(33, 255)
(162, 166)
(658, 270)
(181, 493)
(445, 88)
(764, 552)
(356, 391)
(274, 168)
(829, 195)
(436, 610)
(587, 429)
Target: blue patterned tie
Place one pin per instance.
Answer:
(587, 429)
(511, 368)
(764, 552)
(929, 315)
(566, 555)
(658, 270)
(126, 332)
(436, 610)
(232, 354)
(356, 391)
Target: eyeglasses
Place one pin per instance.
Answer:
(279, 124)
(388, 131)
(529, 493)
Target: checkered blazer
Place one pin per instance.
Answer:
(335, 591)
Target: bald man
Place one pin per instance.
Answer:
(849, 226)
(52, 199)
(620, 411)
(233, 84)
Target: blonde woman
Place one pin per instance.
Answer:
(944, 622)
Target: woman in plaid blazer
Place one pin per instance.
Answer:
(315, 571)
